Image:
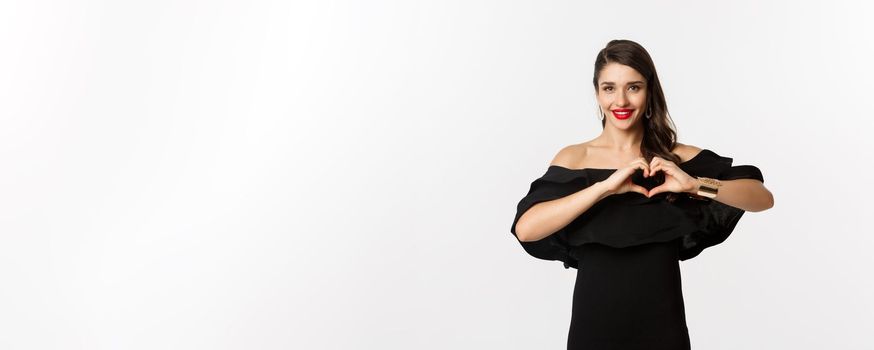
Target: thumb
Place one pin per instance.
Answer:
(656, 191)
(640, 189)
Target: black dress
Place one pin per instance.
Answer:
(626, 249)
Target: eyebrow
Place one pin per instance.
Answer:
(629, 83)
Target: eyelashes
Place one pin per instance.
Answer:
(610, 88)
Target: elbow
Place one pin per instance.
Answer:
(767, 203)
(525, 234)
(526, 239)
(522, 233)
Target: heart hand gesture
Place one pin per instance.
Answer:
(620, 181)
(676, 180)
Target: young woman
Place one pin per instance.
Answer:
(625, 207)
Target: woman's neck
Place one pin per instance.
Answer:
(621, 140)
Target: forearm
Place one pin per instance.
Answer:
(545, 218)
(746, 194)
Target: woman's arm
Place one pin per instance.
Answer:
(545, 218)
(746, 194)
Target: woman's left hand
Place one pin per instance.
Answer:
(676, 180)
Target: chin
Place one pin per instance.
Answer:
(624, 124)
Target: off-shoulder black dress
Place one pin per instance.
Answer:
(626, 249)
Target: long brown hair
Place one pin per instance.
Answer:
(659, 136)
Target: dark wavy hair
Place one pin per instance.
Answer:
(659, 136)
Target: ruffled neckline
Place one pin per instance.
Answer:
(704, 152)
(706, 163)
(700, 223)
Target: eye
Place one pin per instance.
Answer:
(635, 87)
(608, 88)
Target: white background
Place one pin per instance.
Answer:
(344, 174)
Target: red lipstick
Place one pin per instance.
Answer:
(622, 113)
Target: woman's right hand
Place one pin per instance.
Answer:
(620, 181)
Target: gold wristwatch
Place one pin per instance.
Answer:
(708, 187)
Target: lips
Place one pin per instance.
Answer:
(622, 113)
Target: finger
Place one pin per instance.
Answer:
(646, 168)
(640, 189)
(654, 163)
(656, 191)
(656, 168)
(630, 169)
(625, 174)
(666, 168)
(641, 164)
(662, 160)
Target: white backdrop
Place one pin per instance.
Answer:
(344, 174)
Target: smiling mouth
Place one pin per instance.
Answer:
(622, 113)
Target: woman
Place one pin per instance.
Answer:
(625, 207)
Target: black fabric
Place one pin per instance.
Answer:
(626, 249)
(630, 219)
(628, 298)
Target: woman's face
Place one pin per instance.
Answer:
(621, 95)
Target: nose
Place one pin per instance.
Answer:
(620, 99)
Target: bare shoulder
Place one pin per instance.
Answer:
(570, 156)
(686, 152)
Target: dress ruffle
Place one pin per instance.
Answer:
(630, 218)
